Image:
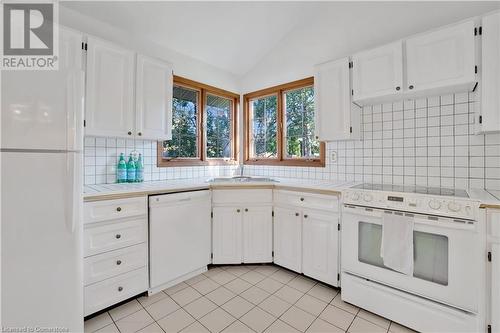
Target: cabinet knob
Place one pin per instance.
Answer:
(301, 199)
(118, 236)
(237, 211)
(120, 288)
(411, 87)
(246, 209)
(305, 216)
(296, 214)
(129, 133)
(398, 88)
(118, 209)
(139, 134)
(118, 262)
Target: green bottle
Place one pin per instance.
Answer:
(121, 170)
(131, 170)
(139, 170)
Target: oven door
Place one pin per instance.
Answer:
(447, 256)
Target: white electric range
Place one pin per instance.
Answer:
(445, 293)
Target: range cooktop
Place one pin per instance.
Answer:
(459, 193)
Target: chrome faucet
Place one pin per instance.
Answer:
(242, 168)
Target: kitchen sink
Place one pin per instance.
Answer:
(240, 179)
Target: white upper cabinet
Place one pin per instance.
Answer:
(444, 58)
(153, 99)
(490, 72)
(110, 89)
(336, 118)
(378, 72)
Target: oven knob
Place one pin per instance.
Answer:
(368, 197)
(454, 207)
(435, 204)
(355, 196)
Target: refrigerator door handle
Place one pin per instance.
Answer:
(75, 110)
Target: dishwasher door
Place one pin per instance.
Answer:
(179, 236)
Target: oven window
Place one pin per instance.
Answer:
(430, 252)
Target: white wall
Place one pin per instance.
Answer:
(183, 65)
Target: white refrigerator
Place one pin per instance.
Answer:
(41, 193)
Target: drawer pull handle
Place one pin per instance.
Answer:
(120, 288)
(118, 262)
(301, 199)
(246, 209)
(296, 214)
(129, 133)
(237, 211)
(118, 236)
(411, 87)
(139, 133)
(305, 216)
(118, 209)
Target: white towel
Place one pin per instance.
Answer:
(397, 242)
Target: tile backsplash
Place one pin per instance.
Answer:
(427, 142)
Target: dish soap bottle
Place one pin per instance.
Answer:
(121, 170)
(139, 170)
(131, 171)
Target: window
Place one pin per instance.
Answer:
(203, 126)
(279, 126)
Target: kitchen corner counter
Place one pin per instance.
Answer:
(492, 200)
(126, 190)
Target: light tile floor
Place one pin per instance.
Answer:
(260, 298)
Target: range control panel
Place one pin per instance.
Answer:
(418, 203)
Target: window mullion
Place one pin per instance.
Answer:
(280, 133)
(201, 127)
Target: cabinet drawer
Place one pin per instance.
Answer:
(111, 291)
(105, 237)
(307, 200)
(97, 211)
(104, 266)
(242, 196)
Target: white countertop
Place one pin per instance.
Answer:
(110, 191)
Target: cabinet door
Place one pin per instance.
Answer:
(495, 288)
(320, 255)
(257, 234)
(490, 72)
(378, 72)
(443, 58)
(332, 95)
(153, 99)
(288, 238)
(109, 107)
(226, 239)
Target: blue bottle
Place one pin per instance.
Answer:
(139, 170)
(121, 170)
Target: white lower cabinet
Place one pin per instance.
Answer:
(226, 235)
(242, 226)
(306, 240)
(320, 241)
(288, 238)
(115, 252)
(493, 221)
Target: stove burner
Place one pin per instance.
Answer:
(414, 189)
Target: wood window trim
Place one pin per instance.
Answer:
(202, 159)
(281, 159)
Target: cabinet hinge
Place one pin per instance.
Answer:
(272, 253)
(478, 31)
(85, 46)
(351, 65)
(489, 329)
(211, 255)
(489, 256)
(212, 214)
(338, 227)
(350, 129)
(272, 213)
(480, 119)
(338, 277)
(475, 69)
(352, 92)
(84, 123)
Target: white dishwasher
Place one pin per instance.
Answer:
(179, 237)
